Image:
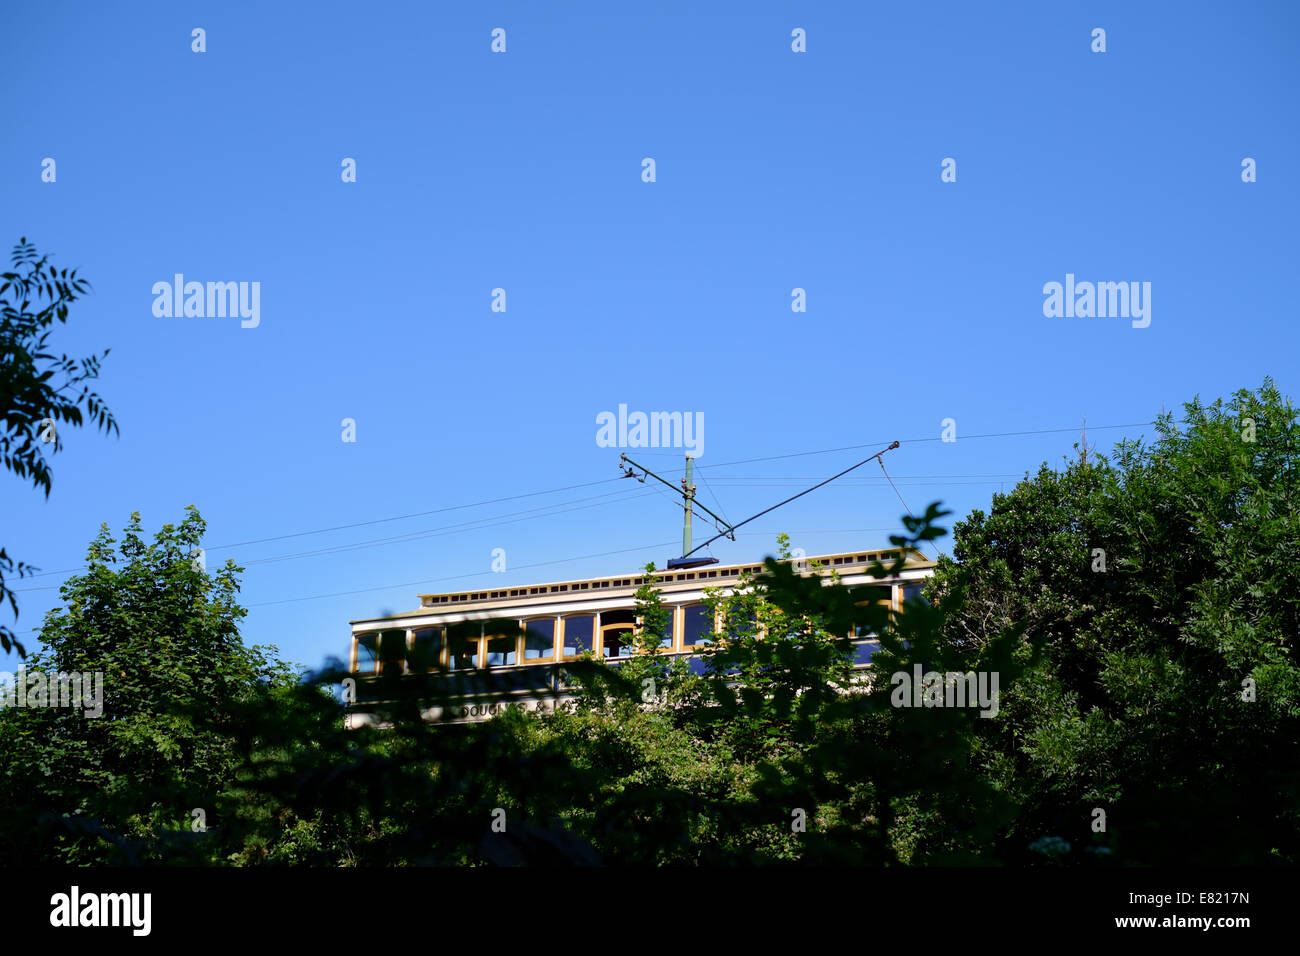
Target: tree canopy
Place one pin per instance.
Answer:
(38, 388)
(1134, 617)
(1160, 590)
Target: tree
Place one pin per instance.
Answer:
(1161, 593)
(38, 389)
(646, 676)
(1140, 617)
(780, 751)
(708, 769)
(162, 633)
(880, 783)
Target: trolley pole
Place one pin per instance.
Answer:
(688, 497)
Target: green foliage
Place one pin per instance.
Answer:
(164, 634)
(1134, 704)
(890, 784)
(776, 754)
(38, 387)
(1140, 617)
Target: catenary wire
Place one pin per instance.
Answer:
(588, 484)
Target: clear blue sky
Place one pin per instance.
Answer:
(522, 170)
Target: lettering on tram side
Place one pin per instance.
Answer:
(485, 711)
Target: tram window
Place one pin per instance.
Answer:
(616, 629)
(697, 622)
(392, 651)
(862, 652)
(463, 652)
(616, 641)
(426, 649)
(367, 653)
(502, 649)
(539, 640)
(578, 634)
(742, 624)
(666, 638)
(873, 595)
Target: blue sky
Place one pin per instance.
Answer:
(522, 170)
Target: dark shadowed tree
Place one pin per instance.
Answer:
(39, 389)
(162, 633)
(1161, 589)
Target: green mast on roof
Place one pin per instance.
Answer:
(689, 504)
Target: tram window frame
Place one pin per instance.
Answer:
(754, 629)
(672, 630)
(617, 621)
(393, 649)
(369, 640)
(917, 587)
(710, 617)
(454, 643)
(555, 635)
(434, 661)
(859, 631)
(486, 652)
(564, 635)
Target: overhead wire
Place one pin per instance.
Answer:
(910, 441)
(458, 577)
(477, 524)
(587, 484)
(549, 509)
(535, 564)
